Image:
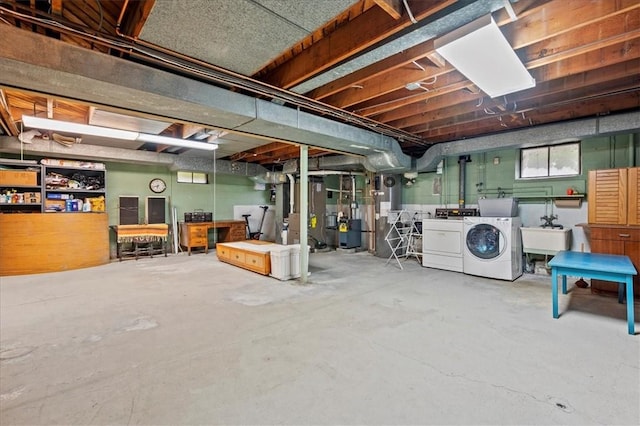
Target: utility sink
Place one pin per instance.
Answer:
(545, 240)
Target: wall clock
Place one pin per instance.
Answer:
(157, 185)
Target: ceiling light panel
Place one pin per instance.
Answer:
(107, 132)
(480, 51)
(76, 128)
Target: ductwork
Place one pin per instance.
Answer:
(529, 137)
(44, 148)
(89, 76)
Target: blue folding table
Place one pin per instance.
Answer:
(608, 267)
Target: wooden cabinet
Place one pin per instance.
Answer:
(251, 255)
(612, 239)
(35, 243)
(20, 188)
(614, 196)
(194, 235)
(614, 219)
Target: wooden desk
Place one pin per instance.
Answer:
(609, 267)
(196, 234)
(142, 238)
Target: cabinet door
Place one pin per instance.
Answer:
(623, 241)
(633, 202)
(608, 196)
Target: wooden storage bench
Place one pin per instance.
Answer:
(252, 255)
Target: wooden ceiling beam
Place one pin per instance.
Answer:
(352, 96)
(285, 156)
(392, 7)
(136, 15)
(366, 30)
(613, 30)
(570, 111)
(454, 82)
(593, 60)
(8, 123)
(469, 113)
(372, 71)
(383, 84)
(89, 16)
(446, 106)
(188, 130)
(260, 150)
(587, 61)
(566, 15)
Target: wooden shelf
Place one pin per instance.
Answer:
(548, 197)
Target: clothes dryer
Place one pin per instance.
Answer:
(492, 247)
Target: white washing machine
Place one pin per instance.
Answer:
(492, 247)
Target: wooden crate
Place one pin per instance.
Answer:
(18, 177)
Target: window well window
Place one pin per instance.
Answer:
(550, 161)
(193, 177)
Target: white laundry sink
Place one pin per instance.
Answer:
(545, 240)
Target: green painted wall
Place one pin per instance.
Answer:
(219, 196)
(597, 153)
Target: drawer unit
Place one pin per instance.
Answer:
(237, 232)
(194, 235)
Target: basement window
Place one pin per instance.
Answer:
(193, 177)
(550, 161)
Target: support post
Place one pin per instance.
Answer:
(304, 213)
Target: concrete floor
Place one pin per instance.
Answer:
(189, 340)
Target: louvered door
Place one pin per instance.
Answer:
(608, 196)
(633, 200)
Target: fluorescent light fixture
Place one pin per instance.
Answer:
(184, 143)
(480, 51)
(107, 132)
(79, 129)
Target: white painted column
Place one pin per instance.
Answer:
(304, 213)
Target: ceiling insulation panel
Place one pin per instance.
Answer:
(237, 35)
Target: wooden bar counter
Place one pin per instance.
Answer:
(33, 243)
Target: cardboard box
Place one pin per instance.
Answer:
(18, 178)
(54, 205)
(32, 197)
